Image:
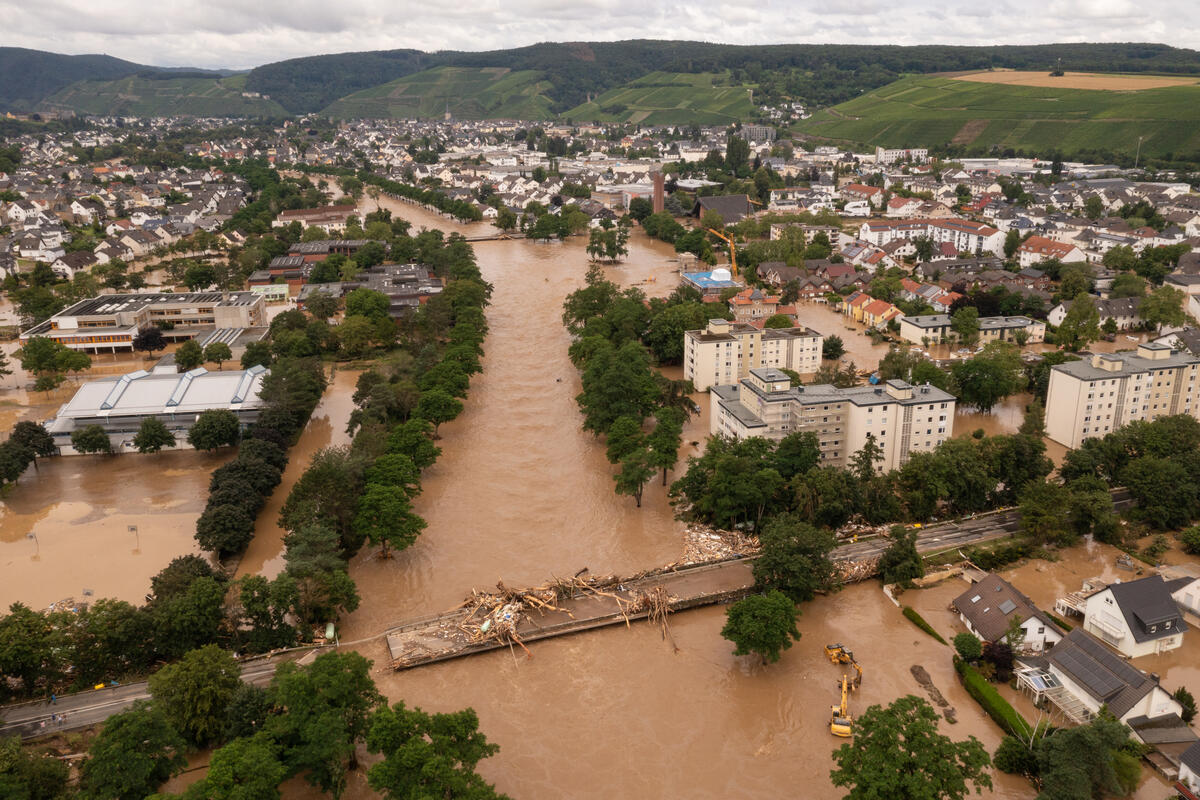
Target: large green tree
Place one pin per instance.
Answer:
(153, 436)
(194, 692)
(764, 624)
(794, 558)
(134, 754)
(216, 427)
(428, 755)
(1081, 324)
(245, 769)
(898, 752)
(989, 377)
(385, 517)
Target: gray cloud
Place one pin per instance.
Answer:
(245, 33)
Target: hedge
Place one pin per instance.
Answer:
(1060, 622)
(920, 622)
(990, 700)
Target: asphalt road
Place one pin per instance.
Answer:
(29, 720)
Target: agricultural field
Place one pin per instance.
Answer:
(666, 98)
(147, 97)
(467, 92)
(980, 112)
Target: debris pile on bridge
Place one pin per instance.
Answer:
(702, 544)
(857, 528)
(852, 571)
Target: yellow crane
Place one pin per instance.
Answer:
(732, 249)
(840, 722)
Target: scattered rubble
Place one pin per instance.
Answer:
(702, 544)
(852, 571)
(922, 677)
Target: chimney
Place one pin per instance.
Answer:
(659, 193)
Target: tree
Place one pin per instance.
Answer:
(385, 517)
(256, 353)
(225, 529)
(216, 427)
(438, 406)
(322, 305)
(218, 352)
(1163, 306)
(864, 462)
(245, 769)
(762, 623)
(1127, 284)
(29, 775)
(153, 436)
(1045, 513)
(637, 467)
(326, 709)
(1190, 539)
(428, 755)
(624, 437)
(1093, 207)
(989, 377)
(1188, 703)
(198, 276)
(134, 754)
(194, 692)
(149, 341)
(898, 752)
(367, 303)
(41, 355)
(414, 439)
(664, 440)
(737, 153)
(640, 208)
(314, 560)
(5, 369)
(968, 647)
(1088, 761)
(188, 356)
(34, 438)
(965, 323)
(901, 562)
(778, 321)
(91, 439)
(1081, 324)
(1164, 494)
(1012, 241)
(665, 335)
(832, 348)
(794, 558)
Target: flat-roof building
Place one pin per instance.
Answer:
(725, 351)
(120, 403)
(936, 327)
(902, 418)
(1096, 396)
(110, 322)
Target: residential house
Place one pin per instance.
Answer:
(751, 305)
(993, 608)
(872, 195)
(1123, 311)
(1137, 618)
(1189, 769)
(1036, 249)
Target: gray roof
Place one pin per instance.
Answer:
(1167, 729)
(1131, 363)
(990, 605)
(1100, 672)
(1191, 757)
(144, 392)
(1147, 603)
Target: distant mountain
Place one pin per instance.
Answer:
(28, 76)
(639, 80)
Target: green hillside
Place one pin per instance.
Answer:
(469, 93)
(979, 117)
(666, 98)
(163, 97)
(27, 76)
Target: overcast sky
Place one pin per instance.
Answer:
(245, 33)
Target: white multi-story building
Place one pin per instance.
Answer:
(964, 235)
(917, 155)
(902, 418)
(1097, 396)
(936, 327)
(725, 351)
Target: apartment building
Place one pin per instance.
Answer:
(902, 418)
(725, 351)
(110, 322)
(936, 327)
(1037, 249)
(331, 218)
(1097, 396)
(963, 235)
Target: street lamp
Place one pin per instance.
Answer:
(1139, 152)
(134, 530)
(38, 552)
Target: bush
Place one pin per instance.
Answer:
(1013, 757)
(920, 622)
(1060, 622)
(1191, 540)
(990, 701)
(968, 646)
(901, 563)
(994, 558)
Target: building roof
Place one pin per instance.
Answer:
(1146, 605)
(1191, 758)
(145, 392)
(992, 603)
(1131, 363)
(1104, 675)
(731, 207)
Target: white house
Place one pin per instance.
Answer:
(1189, 768)
(990, 606)
(1081, 675)
(1138, 618)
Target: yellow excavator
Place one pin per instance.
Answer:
(838, 654)
(840, 722)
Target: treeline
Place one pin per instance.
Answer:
(815, 73)
(310, 722)
(616, 333)
(462, 210)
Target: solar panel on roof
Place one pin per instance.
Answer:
(1097, 679)
(1007, 607)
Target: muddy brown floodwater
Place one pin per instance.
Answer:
(521, 493)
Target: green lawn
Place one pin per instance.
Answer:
(667, 98)
(469, 93)
(926, 111)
